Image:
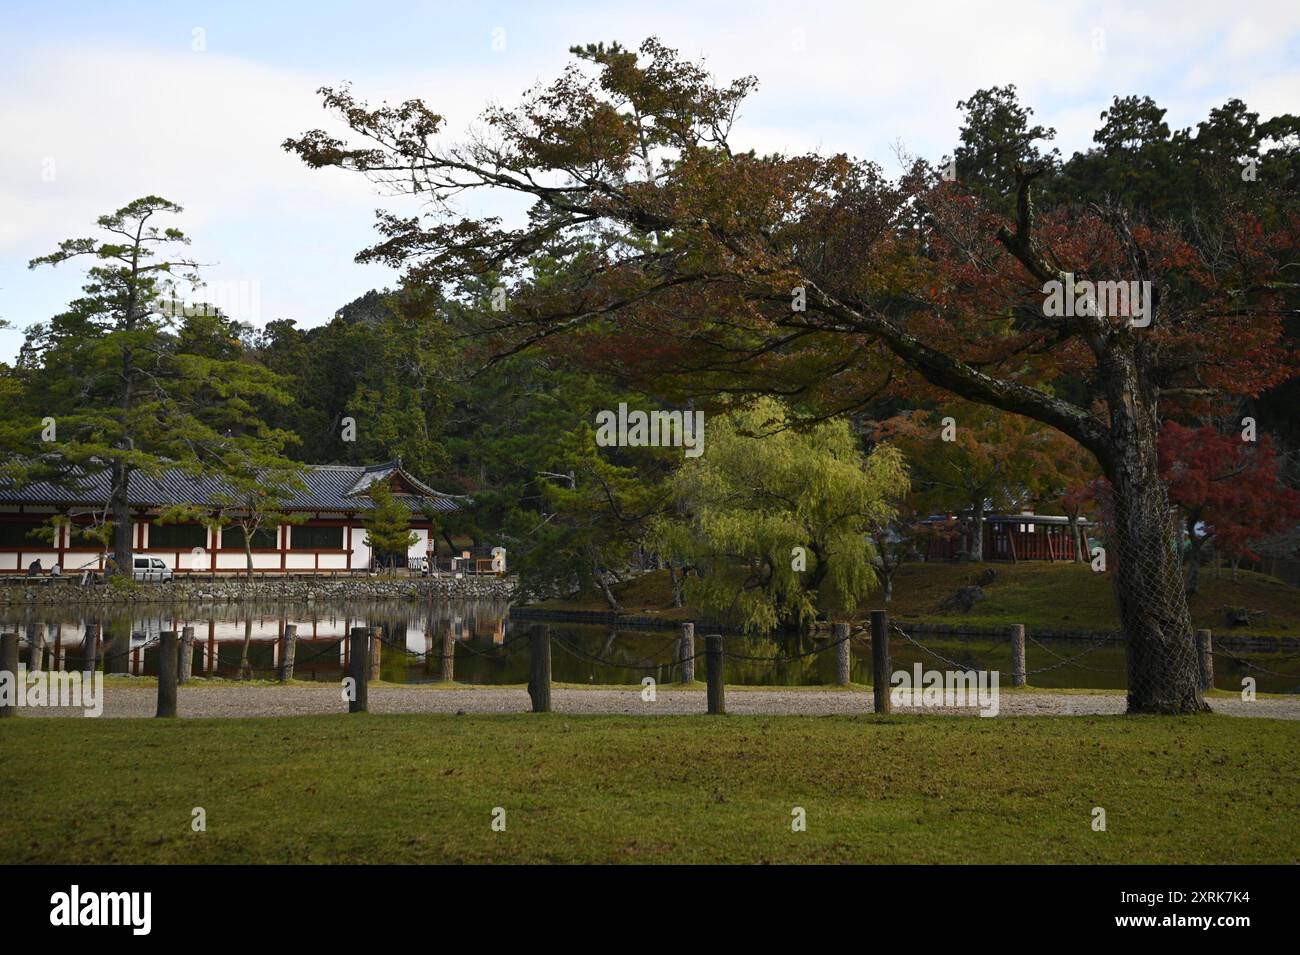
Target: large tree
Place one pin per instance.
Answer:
(134, 378)
(819, 276)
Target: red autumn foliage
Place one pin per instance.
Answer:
(1232, 486)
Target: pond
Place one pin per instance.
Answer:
(476, 642)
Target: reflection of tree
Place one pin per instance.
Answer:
(245, 668)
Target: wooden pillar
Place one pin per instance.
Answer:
(376, 650)
(9, 664)
(716, 686)
(843, 655)
(880, 660)
(1018, 671)
(448, 672)
(1206, 647)
(539, 673)
(687, 653)
(290, 651)
(187, 655)
(167, 674)
(358, 670)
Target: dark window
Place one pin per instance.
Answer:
(180, 536)
(316, 538)
(15, 535)
(264, 538)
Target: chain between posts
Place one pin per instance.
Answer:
(1253, 666)
(1063, 661)
(507, 648)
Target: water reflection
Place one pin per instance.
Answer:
(475, 642)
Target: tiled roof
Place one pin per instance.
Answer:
(326, 487)
(1010, 519)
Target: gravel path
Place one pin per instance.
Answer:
(227, 700)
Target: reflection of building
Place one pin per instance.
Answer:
(232, 640)
(333, 502)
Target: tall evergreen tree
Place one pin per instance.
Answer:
(110, 386)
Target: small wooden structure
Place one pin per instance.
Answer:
(1012, 537)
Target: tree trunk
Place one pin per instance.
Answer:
(121, 509)
(820, 568)
(245, 667)
(248, 554)
(121, 473)
(1163, 673)
(1076, 535)
(976, 551)
(610, 599)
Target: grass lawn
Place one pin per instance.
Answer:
(673, 789)
(1055, 595)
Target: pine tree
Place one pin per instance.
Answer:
(133, 380)
(388, 526)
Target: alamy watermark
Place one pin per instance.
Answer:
(70, 690)
(1131, 300)
(236, 299)
(971, 689)
(651, 429)
(75, 907)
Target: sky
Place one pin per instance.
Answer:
(104, 102)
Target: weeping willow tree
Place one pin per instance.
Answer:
(774, 520)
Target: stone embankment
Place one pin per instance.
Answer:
(45, 592)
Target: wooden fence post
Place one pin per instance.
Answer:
(687, 653)
(539, 674)
(290, 651)
(1018, 672)
(880, 660)
(358, 670)
(167, 659)
(9, 664)
(843, 654)
(187, 655)
(376, 651)
(716, 687)
(448, 672)
(1206, 646)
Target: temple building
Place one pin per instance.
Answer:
(333, 502)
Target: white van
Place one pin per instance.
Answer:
(151, 570)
